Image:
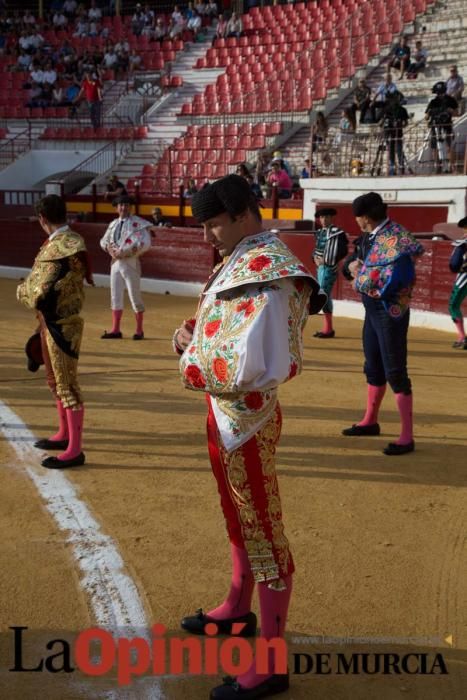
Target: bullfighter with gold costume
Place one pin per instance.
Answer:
(244, 342)
(54, 289)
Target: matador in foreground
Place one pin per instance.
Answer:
(245, 341)
(54, 289)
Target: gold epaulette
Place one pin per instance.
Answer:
(64, 245)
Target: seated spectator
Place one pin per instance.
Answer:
(110, 59)
(23, 62)
(49, 75)
(221, 28)
(134, 61)
(200, 8)
(25, 43)
(81, 27)
(160, 30)
(159, 219)
(94, 12)
(115, 188)
(69, 8)
(191, 188)
(387, 87)
(306, 170)
(36, 40)
(121, 45)
(174, 29)
(177, 16)
(58, 96)
(35, 96)
(194, 23)
(319, 131)
(138, 21)
(211, 9)
(400, 56)
(37, 74)
(189, 11)
(454, 84)
(280, 179)
(361, 99)
(59, 20)
(418, 63)
(149, 16)
(29, 20)
(234, 26)
(347, 127)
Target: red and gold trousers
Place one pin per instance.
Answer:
(61, 370)
(247, 483)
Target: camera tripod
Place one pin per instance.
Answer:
(383, 146)
(435, 133)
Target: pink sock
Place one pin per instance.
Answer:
(459, 323)
(238, 601)
(274, 606)
(62, 433)
(374, 397)
(404, 405)
(327, 325)
(139, 322)
(75, 431)
(116, 317)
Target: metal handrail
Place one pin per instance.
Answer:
(15, 147)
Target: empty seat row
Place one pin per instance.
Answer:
(89, 133)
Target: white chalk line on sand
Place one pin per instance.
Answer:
(112, 594)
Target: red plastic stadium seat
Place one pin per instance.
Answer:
(147, 185)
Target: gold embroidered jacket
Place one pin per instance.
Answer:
(55, 288)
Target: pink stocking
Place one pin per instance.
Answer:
(274, 605)
(327, 327)
(139, 322)
(238, 601)
(459, 323)
(374, 397)
(75, 431)
(404, 405)
(116, 317)
(62, 433)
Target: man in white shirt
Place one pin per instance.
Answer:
(110, 59)
(69, 8)
(49, 75)
(59, 20)
(94, 12)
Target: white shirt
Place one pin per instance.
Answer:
(94, 13)
(50, 76)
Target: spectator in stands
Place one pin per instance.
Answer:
(36, 95)
(347, 127)
(69, 8)
(175, 28)
(190, 10)
(110, 59)
(29, 20)
(455, 84)
(200, 8)
(221, 29)
(393, 121)
(418, 63)
(23, 62)
(160, 30)
(211, 9)
(94, 13)
(439, 115)
(37, 74)
(177, 16)
(319, 131)
(121, 45)
(50, 75)
(36, 40)
(234, 25)
(400, 56)
(279, 178)
(194, 23)
(134, 61)
(24, 42)
(71, 93)
(159, 219)
(361, 99)
(191, 188)
(138, 21)
(59, 20)
(149, 16)
(306, 170)
(91, 88)
(81, 27)
(387, 87)
(115, 188)
(58, 96)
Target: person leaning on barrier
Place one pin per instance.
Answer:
(439, 115)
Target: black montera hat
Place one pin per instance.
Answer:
(231, 194)
(325, 211)
(367, 203)
(33, 352)
(123, 199)
(462, 223)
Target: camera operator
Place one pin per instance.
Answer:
(393, 122)
(439, 114)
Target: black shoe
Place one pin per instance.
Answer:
(111, 335)
(394, 449)
(459, 344)
(358, 430)
(196, 624)
(45, 444)
(55, 463)
(138, 336)
(232, 690)
(320, 334)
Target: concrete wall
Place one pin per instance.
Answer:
(35, 166)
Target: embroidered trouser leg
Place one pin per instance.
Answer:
(61, 371)
(326, 277)
(247, 484)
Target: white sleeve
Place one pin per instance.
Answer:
(106, 238)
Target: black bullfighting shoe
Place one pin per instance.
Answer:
(196, 624)
(320, 334)
(231, 690)
(45, 444)
(55, 463)
(358, 430)
(111, 336)
(394, 449)
(138, 336)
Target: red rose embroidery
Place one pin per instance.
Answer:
(220, 369)
(253, 400)
(283, 273)
(374, 275)
(259, 263)
(293, 370)
(211, 328)
(128, 240)
(247, 306)
(194, 377)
